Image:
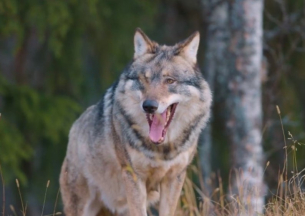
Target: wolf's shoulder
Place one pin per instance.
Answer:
(86, 118)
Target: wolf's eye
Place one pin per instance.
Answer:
(169, 81)
(132, 78)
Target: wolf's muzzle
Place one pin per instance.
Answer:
(150, 106)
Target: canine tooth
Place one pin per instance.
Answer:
(168, 112)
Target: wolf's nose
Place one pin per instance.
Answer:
(150, 106)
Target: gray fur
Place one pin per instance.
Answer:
(109, 150)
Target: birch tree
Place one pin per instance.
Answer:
(243, 101)
(233, 56)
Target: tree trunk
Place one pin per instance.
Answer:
(217, 34)
(243, 102)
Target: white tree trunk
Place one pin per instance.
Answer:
(244, 104)
(232, 68)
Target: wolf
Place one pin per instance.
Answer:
(131, 150)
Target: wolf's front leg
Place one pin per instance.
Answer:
(135, 192)
(171, 187)
(93, 205)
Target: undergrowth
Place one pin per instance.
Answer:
(288, 200)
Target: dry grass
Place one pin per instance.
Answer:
(220, 204)
(194, 202)
(289, 199)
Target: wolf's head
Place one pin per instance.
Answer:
(163, 91)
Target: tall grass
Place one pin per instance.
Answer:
(23, 205)
(3, 189)
(289, 199)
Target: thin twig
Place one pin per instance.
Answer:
(56, 202)
(45, 196)
(3, 187)
(285, 169)
(18, 186)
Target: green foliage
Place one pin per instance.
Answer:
(13, 150)
(31, 118)
(80, 48)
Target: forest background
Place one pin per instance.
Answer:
(58, 57)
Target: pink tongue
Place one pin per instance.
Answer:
(157, 126)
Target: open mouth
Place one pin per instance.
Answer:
(159, 123)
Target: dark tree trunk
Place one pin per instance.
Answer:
(216, 15)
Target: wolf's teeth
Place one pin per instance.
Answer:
(168, 112)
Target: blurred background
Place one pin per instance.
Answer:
(58, 57)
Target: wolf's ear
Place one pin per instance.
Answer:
(142, 44)
(189, 47)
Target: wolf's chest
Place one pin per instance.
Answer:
(154, 170)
